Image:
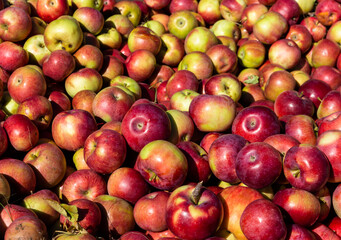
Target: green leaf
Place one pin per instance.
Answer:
(72, 212)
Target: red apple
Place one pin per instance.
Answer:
(49, 10)
(181, 80)
(290, 10)
(301, 36)
(315, 90)
(325, 53)
(330, 104)
(317, 30)
(328, 12)
(330, 75)
(285, 53)
(182, 5)
(140, 65)
(302, 128)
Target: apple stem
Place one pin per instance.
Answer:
(196, 194)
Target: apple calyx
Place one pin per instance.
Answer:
(196, 194)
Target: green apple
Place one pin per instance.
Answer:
(131, 10)
(63, 33)
(227, 28)
(96, 4)
(200, 39)
(181, 23)
(198, 63)
(155, 26)
(110, 38)
(37, 51)
(129, 83)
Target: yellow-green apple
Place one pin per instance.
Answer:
(315, 90)
(49, 10)
(302, 207)
(198, 166)
(16, 24)
(329, 143)
(333, 33)
(255, 123)
(111, 103)
(128, 184)
(232, 9)
(49, 164)
(212, 112)
(235, 199)
(306, 167)
(291, 102)
(140, 65)
(111, 68)
(207, 40)
(251, 54)
(302, 128)
(38, 109)
(262, 219)
(109, 38)
(36, 49)
(5, 189)
(129, 83)
(328, 74)
(8, 105)
(183, 5)
(180, 23)
(193, 212)
(27, 225)
(330, 104)
(250, 15)
(83, 79)
(317, 30)
(225, 28)
(83, 100)
(58, 65)
(89, 56)
(328, 12)
(278, 82)
(78, 159)
(155, 26)
(181, 80)
(84, 183)
(285, 53)
(223, 58)
(306, 6)
(144, 123)
(60, 102)
(130, 9)
(325, 53)
(224, 84)
(162, 18)
(270, 20)
(88, 217)
(199, 63)
(37, 202)
(22, 133)
(209, 10)
(121, 23)
(301, 36)
(20, 176)
(181, 100)
(105, 151)
(150, 211)
(71, 128)
(182, 126)
(63, 33)
(98, 5)
(144, 38)
(300, 76)
(290, 10)
(13, 56)
(153, 163)
(172, 50)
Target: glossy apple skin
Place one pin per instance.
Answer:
(328, 12)
(316, 28)
(150, 211)
(302, 206)
(15, 56)
(223, 58)
(199, 63)
(256, 123)
(331, 103)
(251, 53)
(289, 9)
(153, 163)
(206, 220)
(208, 139)
(334, 224)
(182, 126)
(323, 232)
(181, 5)
(258, 165)
(262, 219)
(282, 142)
(285, 53)
(5, 189)
(315, 90)
(140, 65)
(50, 10)
(59, 101)
(302, 128)
(222, 156)
(324, 196)
(328, 74)
(144, 38)
(181, 80)
(295, 231)
(128, 184)
(84, 183)
(301, 36)
(330, 122)
(104, 151)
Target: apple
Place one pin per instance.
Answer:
(330, 122)
(14, 56)
(172, 50)
(83, 100)
(302, 128)
(109, 38)
(193, 212)
(322, 231)
(306, 167)
(111, 68)
(250, 15)
(328, 12)
(180, 23)
(290, 10)
(223, 58)
(330, 104)
(323, 48)
(5, 189)
(133, 235)
(161, 73)
(301, 36)
(144, 38)
(182, 126)
(285, 53)
(209, 10)
(71, 128)
(262, 219)
(199, 63)
(140, 65)
(83, 184)
(130, 9)
(315, 90)
(157, 27)
(181, 80)
(251, 53)
(59, 101)
(49, 10)
(183, 5)
(208, 39)
(36, 49)
(90, 19)
(232, 10)
(181, 100)
(98, 5)
(89, 56)
(226, 28)
(317, 30)
(328, 74)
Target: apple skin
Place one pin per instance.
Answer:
(22, 133)
(207, 140)
(289, 9)
(323, 48)
(181, 80)
(302, 206)
(49, 10)
(235, 199)
(208, 39)
(295, 231)
(130, 9)
(89, 56)
(144, 123)
(154, 165)
(334, 225)
(128, 184)
(222, 156)
(180, 23)
(144, 38)
(330, 104)
(111, 68)
(262, 219)
(133, 235)
(199, 63)
(5, 189)
(258, 165)
(302, 128)
(325, 198)
(182, 126)
(328, 74)
(36, 49)
(172, 50)
(140, 65)
(328, 12)
(306, 167)
(232, 9)
(251, 53)
(90, 19)
(182, 204)
(321, 231)
(256, 123)
(315, 90)
(117, 216)
(330, 122)
(59, 101)
(301, 36)
(205, 109)
(83, 100)
(282, 50)
(71, 128)
(209, 10)
(84, 183)
(223, 58)
(48, 163)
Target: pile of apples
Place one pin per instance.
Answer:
(170, 119)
